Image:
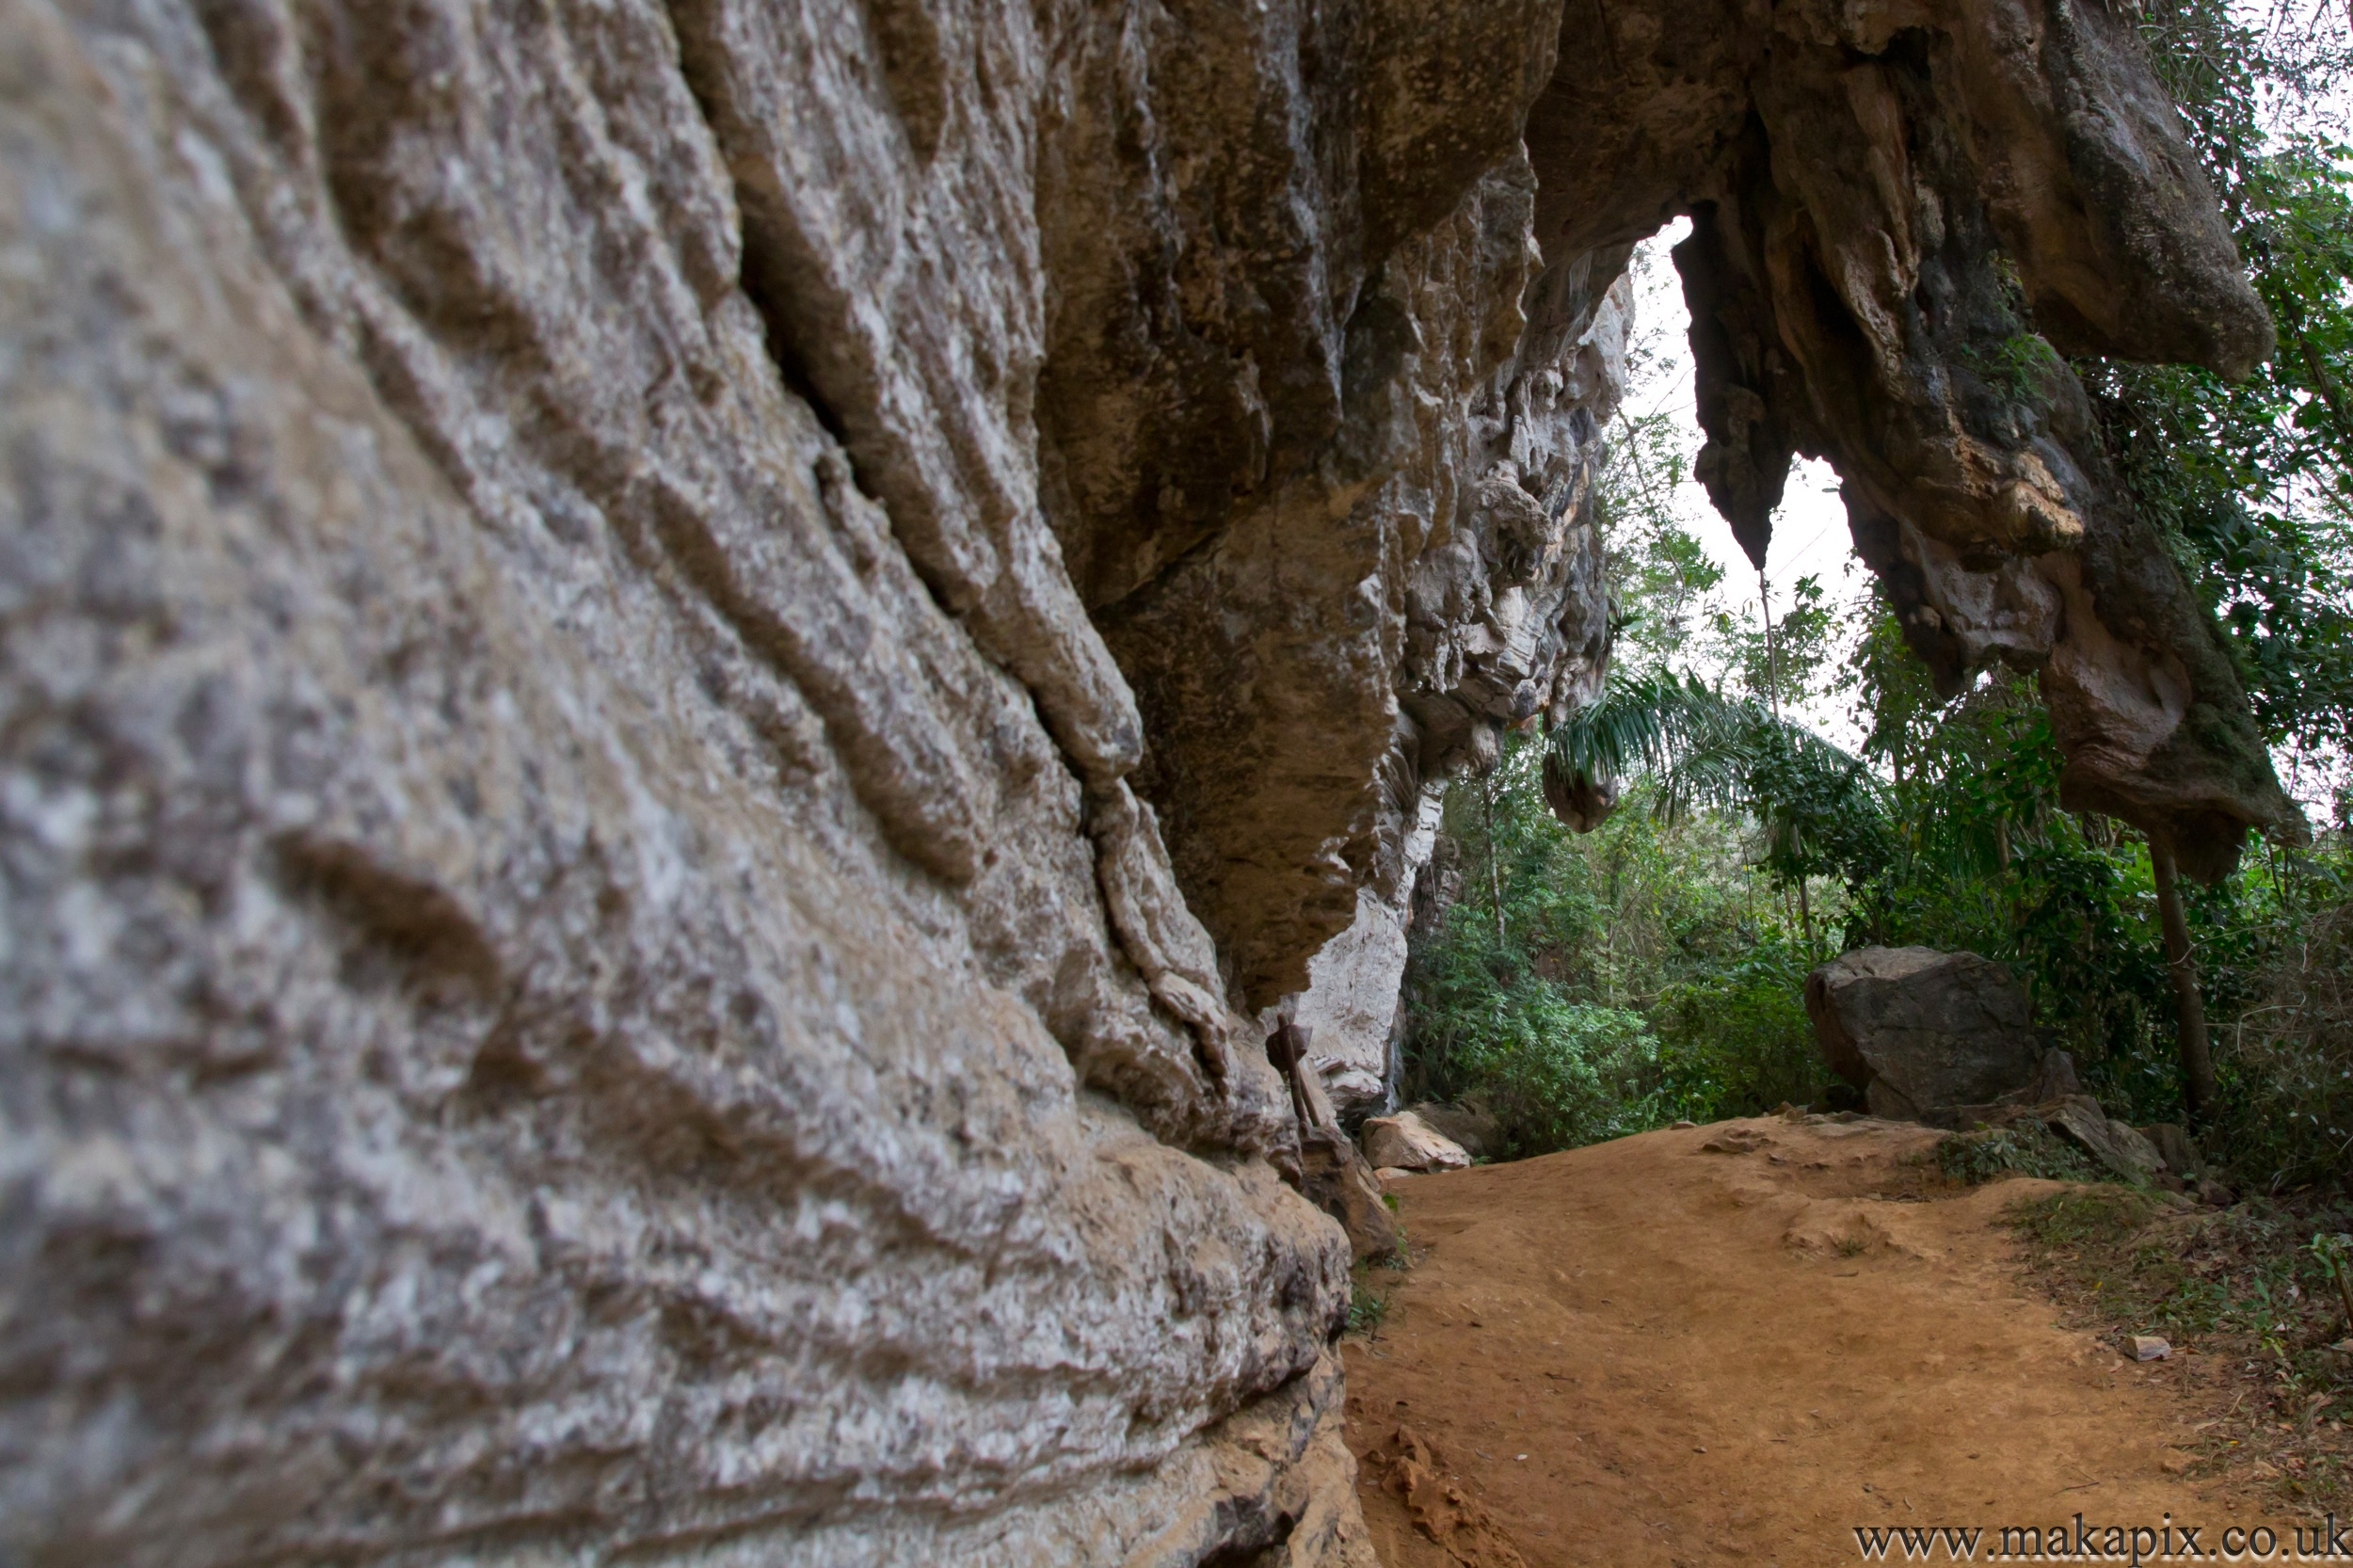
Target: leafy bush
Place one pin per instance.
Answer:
(2287, 1066)
(1636, 974)
(1553, 1072)
(1739, 1044)
(1556, 1074)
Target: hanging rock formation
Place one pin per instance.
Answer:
(1918, 209)
(673, 670)
(1904, 214)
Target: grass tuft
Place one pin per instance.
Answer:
(2257, 1298)
(2096, 1216)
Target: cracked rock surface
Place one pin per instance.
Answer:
(1918, 211)
(674, 673)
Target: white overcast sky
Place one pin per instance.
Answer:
(1810, 537)
(1810, 529)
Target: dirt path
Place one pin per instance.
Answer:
(1736, 1344)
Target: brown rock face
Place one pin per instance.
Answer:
(669, 669)
(1317, 421)
(1918, 210)
(1904, 213)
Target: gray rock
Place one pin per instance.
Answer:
(2175, 1147)
(2055, 1080)
(1336, 1178)
(1404, 1142)
(1923, 1033)
(1478, 1132)
(672, 669)
(2079, 1119)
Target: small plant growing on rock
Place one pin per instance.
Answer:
(1976, 1158)
(2020, 368)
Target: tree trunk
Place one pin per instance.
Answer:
(2198, 1086)
(1495, 870)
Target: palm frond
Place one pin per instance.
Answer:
(1646, 722)
(1816, 802)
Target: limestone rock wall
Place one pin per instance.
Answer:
(1504, 622)
(581, 978)
(670, 671)
(1337, 570)
(585, 975)
(1355, 1005)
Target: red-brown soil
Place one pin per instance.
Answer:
(1735, 1344)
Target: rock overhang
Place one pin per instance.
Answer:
(693, 653)
(1904, 216)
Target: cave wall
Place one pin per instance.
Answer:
(584, 972)
(674, 672)
(582, 977)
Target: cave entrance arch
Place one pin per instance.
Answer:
(1902, 224)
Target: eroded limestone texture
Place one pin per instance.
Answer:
(582, 978)
(1918, 210)
(671, 670)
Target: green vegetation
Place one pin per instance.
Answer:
(2260, 1288)
(1642, 973)
(1586, 987)
(1370, 1288)
(2031, 1149)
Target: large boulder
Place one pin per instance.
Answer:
(1407, 1143)
(2173, 1145)
(1477, 1130)
(1921, 1031)
(1336, 1177)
